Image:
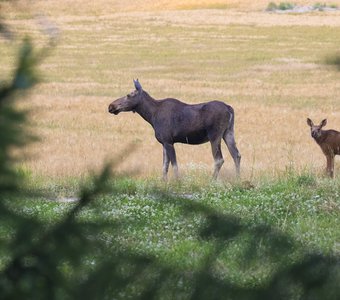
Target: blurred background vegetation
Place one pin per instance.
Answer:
(79, 258)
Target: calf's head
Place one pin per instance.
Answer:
(128, 102)
(316, 129)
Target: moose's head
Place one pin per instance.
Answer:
(316, 129)
(128, 102)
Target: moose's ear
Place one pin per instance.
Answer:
(323, 122)
(309, 122)
(138, 86)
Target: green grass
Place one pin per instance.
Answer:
(272, 6)
(155, 220)
(322, 6)
(303, 206)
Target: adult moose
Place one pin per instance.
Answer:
(329, 142)
(178, 122)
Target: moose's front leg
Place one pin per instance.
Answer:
(166, 162)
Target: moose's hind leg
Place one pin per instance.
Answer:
(229, 139)
(170, 151)
(166, 162)
(217, 155)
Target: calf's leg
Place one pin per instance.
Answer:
(330, 165)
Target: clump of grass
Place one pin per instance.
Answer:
(306, 180)
(319, 6)
(323, 6)
(286, 6)
(333, 60)
(272, 6)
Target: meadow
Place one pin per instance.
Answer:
(274, 69)
(271, 68)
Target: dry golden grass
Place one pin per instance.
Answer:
(269, 67)
(104, 7)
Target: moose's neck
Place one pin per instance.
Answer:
(147, 108)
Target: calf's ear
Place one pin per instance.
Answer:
(323, 122)
(309, 122)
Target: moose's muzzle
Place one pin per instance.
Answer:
(113, 109)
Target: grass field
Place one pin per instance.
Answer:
(274, 69)
(271, 68)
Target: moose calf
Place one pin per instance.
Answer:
(328, 140)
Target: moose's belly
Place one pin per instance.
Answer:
(196, 138)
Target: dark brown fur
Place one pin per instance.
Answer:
(178, 122)
(329, 142)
